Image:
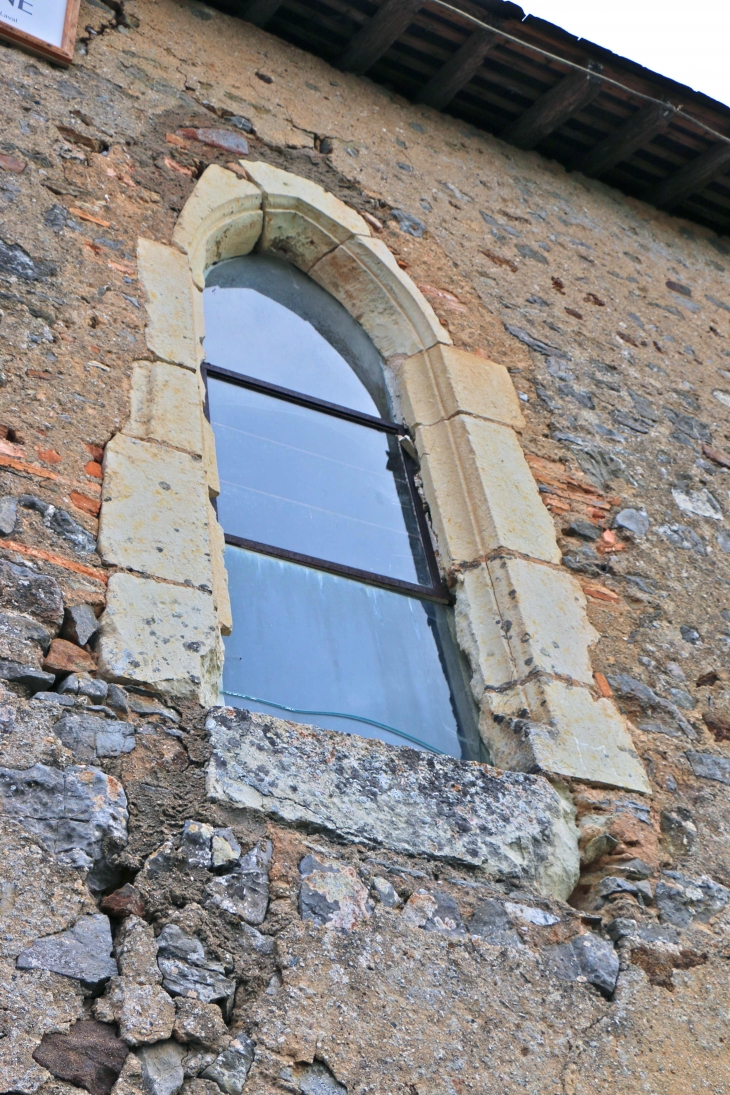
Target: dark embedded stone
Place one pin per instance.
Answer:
(116, 697)
(408, 223)
(16, 262)
(62, 523)
(244, 891)
(230, 1069)
(492, 922)
(81, 684)
(82, 953)
(681, 900)
(126, 901)
(710, 766)
(89, 1056)
(188, 970)
(80, 624)
(89, 737)
(8, 514)
(37, 595)
(679, 830)
(635, 521)
(533, 343)
(585, 529)
(586, 958)
(34, 679)
(689, 634)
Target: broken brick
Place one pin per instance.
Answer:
(65, 657)
(94, 468)
(83, 502)
(49, 456)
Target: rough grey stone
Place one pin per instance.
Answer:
(339, 781)
(633, 520)
(79, 814)
(492, 922)
(245, 890)
(531, 914)
(679, 830)
(647, 698)
(196, 1060)
(535, 343)
(613, 887)
(331, 894)
(195, 844)
(136, 950)
(433, 911)
(408, 223)
(80, 624)
(35, 679)
(144, 1012)
(681, 900)
(682, 699)
(317, 1079)
(230, 1068)
(187, 970)
(8, 514)
(54, 697)
(585, 958)
(690, 634)
(710, 766)
(162, 1070)
(150, 705)
(198, 1022)
(585, 529)
(81, 684)
(22, 639)
(621, 928)
(24, 590)
(684, 537)
(62, 523)
(385, 893)
(89, 737)
(116, 697)
(82, 953)
(225, 849)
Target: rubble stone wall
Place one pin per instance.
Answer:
(178, 911)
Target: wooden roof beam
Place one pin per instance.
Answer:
(628, 138)
(260, 12)
(458, 70)
(552, 109)
(693, 177)
(377, 36)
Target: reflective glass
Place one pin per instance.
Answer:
(309, 482)
(249, 333)
(323, 647)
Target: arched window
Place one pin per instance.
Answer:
(339, 614)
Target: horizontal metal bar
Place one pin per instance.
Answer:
(310, 401)
(383, 581)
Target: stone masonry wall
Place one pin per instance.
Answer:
(169, 923)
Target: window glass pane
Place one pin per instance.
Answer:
(248, 333)
(331, 647)
(308, 482)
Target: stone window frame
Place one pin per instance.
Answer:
(521, 618)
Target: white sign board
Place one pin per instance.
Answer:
(47, 27)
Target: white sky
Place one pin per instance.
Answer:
(687, 42)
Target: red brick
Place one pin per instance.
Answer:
(83, 502)
(49, 456)
(94, 468)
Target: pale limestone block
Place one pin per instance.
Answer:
(302, 221)
(480, 632)
(444, 381)
(171, 328)
(546, 609)
(365, 278)
(210, 463)
(219, 573)
(221, 218)
(163, 636)
(166, 406)
(154, 512)
(568, 733)
(481, 492)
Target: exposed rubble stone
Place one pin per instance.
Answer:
(89, 738)
(79, 624)
(143, 1012)
(198, 1022)
(35, 679)
(162, 1071)
(256, 759)
(81, 684)
(195, 844)
(331, 894)
(83, 952)
(385, 893)
(22, 640)
(8, 514)
(493, 923)
(126, 901)
(244, 891)
(434, 912)
(681, 900)
(586, 958)
(38, 595)
(187, 969)
(79, 814)
(89, 1056)
(136, 950)
(231, 1068)
(225, 849)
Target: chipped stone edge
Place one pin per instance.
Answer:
(445, 392)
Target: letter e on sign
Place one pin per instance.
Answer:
(44, 27)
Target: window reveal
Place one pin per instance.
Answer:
(339, 613)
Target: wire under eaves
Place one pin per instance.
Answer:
(475, 21)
